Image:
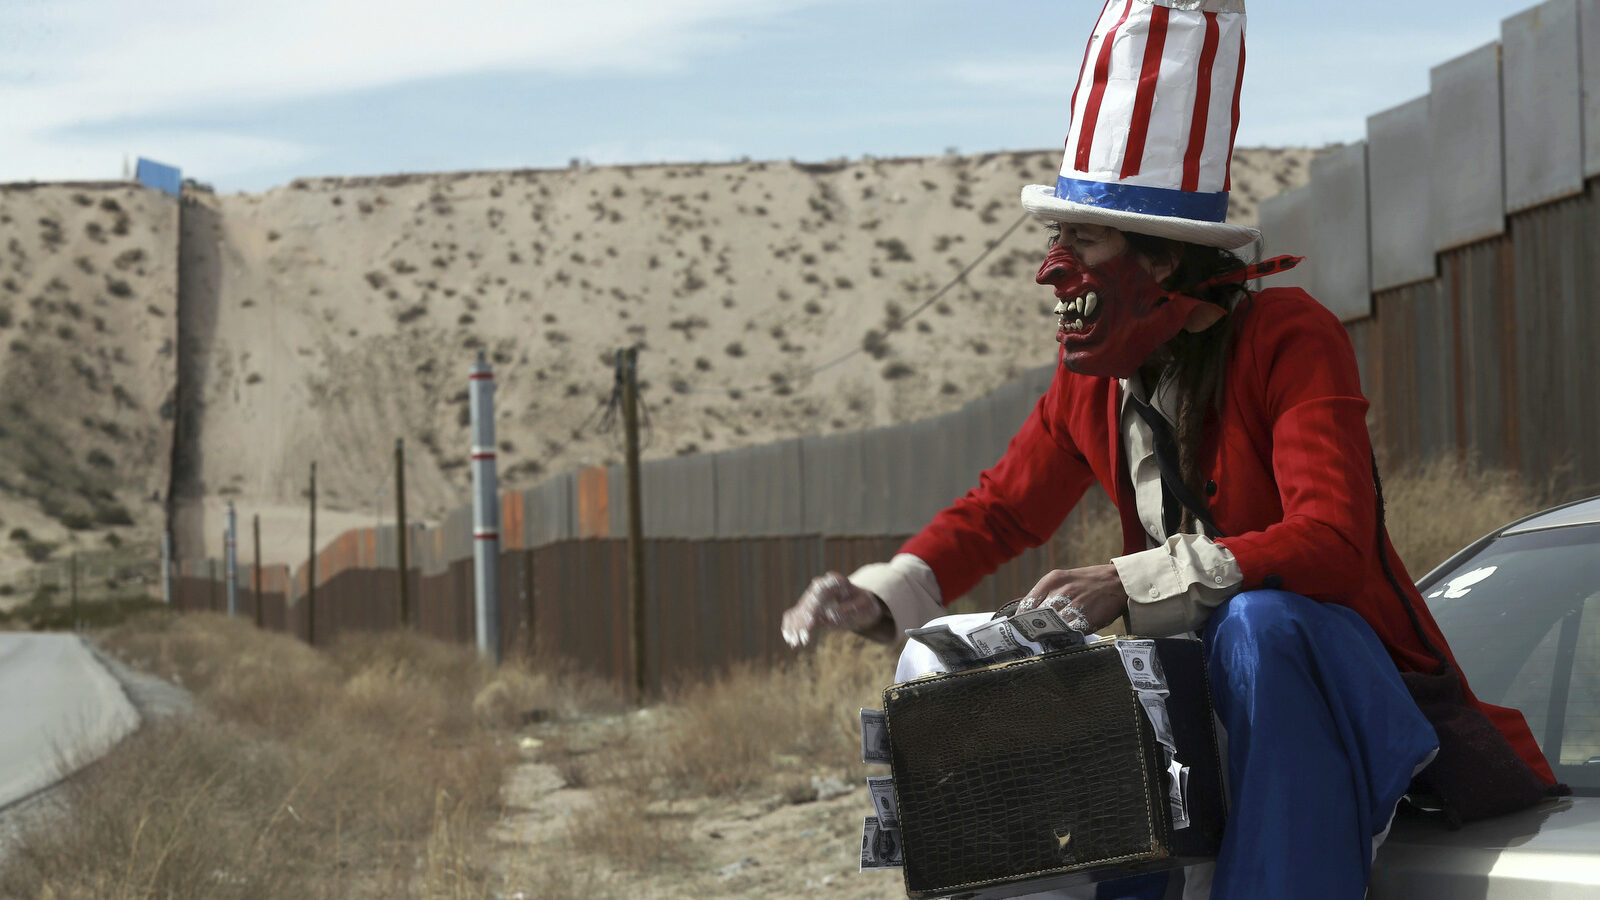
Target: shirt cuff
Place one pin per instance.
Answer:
(907, 586)
(1174, 587)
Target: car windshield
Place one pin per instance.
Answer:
(1523, 618)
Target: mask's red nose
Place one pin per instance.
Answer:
(1063, 270)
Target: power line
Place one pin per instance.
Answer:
(892, 327)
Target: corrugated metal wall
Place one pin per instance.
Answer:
(1474, 328)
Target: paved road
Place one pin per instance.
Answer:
(57, 703)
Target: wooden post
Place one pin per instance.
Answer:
(311, 570)
(628, 372)
(255, 574)
(74, 564)
(401, 531)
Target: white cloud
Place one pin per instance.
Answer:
(81, 62)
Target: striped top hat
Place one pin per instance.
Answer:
(1153, 120)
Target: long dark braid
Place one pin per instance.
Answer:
(1197, 359)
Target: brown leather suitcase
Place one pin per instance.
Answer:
(1046, 772)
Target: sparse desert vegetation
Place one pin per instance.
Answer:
(299, 349)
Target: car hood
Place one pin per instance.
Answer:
(1551, 851)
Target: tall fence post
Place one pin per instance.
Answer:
(74, 564)
(255, 570)
(230, 561)
(485, 510)
(400, 530)
(311, 571)
(628, 374)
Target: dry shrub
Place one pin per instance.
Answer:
(734, 732)
(184, 810)
(621, 829)
(1437, 507)
(357, 771)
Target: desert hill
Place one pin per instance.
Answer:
(88, 331)
(324, 319)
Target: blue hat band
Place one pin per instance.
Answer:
(1143, 199)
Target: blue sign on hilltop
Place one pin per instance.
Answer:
(160, 176)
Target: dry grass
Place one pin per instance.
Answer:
(744, 729)
(366, 770)
(1438, 507)
(621, 828)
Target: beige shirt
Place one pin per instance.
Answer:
(1172, 586)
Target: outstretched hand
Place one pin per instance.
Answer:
(831, 600)
(1087, 599)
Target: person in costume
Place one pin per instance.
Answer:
(1228, 427)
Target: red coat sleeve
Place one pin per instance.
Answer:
(1300, 372)
(1018, 503)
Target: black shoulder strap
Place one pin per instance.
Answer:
(1167, 462)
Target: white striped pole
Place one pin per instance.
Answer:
(485, 510)
(230, 549)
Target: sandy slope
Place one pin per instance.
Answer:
(87, 330)
(331, 316)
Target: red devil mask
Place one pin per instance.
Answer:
(1114, 315)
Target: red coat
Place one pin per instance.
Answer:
(1289, 453)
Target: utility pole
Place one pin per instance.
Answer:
(485, 510)
(311, 581)
(400, 528)
(255, 573)
(230, 560)
(628, 375)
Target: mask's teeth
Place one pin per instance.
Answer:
(1061, 307)
(1090, 303)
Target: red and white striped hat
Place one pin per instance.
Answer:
(1153, 120)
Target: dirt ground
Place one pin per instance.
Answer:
(801, 840)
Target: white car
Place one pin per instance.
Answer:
(1521, 609)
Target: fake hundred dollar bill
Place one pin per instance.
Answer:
(996, 642)
(881, 787)
(1144, 670)
(874, 737)
(880, 846)
(1044, 627)
(953, 653)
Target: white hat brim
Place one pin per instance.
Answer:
(1042, 202)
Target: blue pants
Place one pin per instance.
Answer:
(1322, 739)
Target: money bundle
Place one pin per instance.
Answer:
(880, 846)
(874, 737)
(880, 837)
(1045, 627)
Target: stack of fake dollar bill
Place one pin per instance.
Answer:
(880, 834)
(998, 640)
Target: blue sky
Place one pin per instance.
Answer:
(250, 95)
